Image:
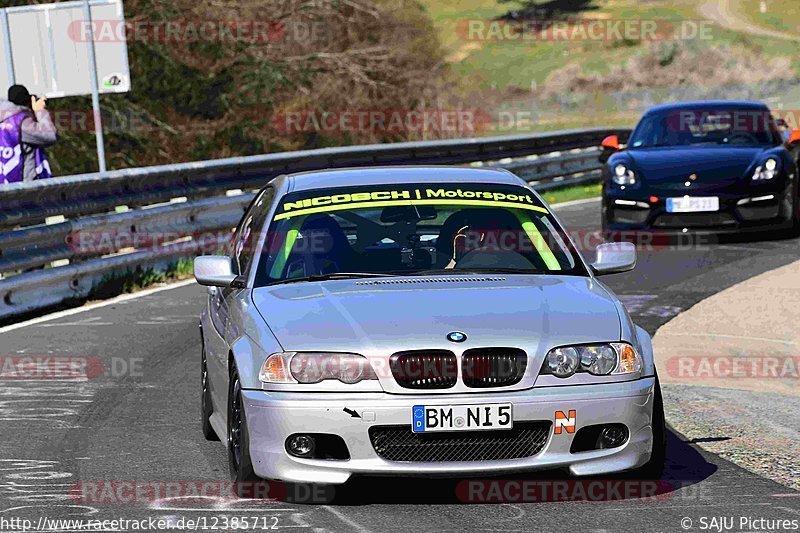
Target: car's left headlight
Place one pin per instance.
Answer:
(315, 367)
(605, 359)
(622, 175)
(767, 170)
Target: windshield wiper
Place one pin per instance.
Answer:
(332, 276)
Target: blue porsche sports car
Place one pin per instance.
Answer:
(702, 166)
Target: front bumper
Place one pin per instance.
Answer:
(273, 416)
(739, 212)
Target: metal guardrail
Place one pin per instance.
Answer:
(110, 219)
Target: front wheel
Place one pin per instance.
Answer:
(654, 468)
(794, 231)
(246, 484)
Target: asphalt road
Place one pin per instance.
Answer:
(135, 418)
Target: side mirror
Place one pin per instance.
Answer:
(610, 143)
(614, 258)
(214, 270)
(794, 138)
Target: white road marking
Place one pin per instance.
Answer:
(575, 203)
(85, 322)
(341, 516)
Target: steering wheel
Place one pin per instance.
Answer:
(487, 258)
(746, 138)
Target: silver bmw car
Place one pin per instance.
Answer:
(420, 321)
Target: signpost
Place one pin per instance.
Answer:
(52, 49)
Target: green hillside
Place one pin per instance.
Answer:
(576, 81)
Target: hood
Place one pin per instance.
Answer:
(711, 164)
(380, 317)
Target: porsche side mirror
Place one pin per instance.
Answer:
(608, 146)
(610, 143)
(614, 258)
(794, 139)
(214, 270)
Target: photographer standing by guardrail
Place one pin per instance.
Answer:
(25, 129)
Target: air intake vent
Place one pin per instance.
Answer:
(493, 367)
(399, 443)
(411, 280)
(425, 369)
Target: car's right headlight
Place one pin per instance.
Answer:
(604, 359)
(315, 367)
(767, 171)
(622, 175)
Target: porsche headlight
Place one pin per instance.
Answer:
(314, 367)
(622, 175)
(767, 171)
(605, 359)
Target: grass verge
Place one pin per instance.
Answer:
(569, 194)
(139, 278)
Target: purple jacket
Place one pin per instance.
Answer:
(21, 131)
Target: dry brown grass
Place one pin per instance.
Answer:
(670, 64)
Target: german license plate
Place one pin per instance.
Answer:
(692, 204)
(430, 418)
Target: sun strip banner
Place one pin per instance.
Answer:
(415, 195)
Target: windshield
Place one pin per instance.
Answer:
(697, 126)
(413, 230)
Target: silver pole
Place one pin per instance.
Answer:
(7, 40)
(98, 120)
(53, 69)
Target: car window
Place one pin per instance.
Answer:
(712, 126)
(250, 226)
(414, 230)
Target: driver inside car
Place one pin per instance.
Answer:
(484, 229)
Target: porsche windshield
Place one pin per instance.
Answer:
(413, 230)
(742, 126)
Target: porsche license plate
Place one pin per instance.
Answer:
(427, 418)
(692, 204)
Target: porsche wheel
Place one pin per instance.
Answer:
(795, 229)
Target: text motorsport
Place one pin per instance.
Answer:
(413, 196)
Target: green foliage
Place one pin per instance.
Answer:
(117, 283)
(571, 193)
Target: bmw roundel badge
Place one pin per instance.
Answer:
(456, 336)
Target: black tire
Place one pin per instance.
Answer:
(794, 231)
(654, 468)
(246, 484)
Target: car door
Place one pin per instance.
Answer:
(227, 300)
